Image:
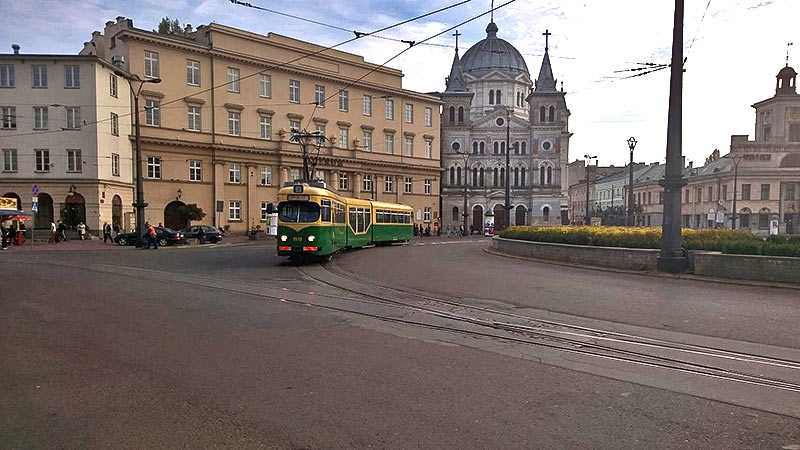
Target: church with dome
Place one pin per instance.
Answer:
(491, 107)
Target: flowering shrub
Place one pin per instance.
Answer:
(723, 240)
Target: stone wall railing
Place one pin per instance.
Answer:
(616, 257)
(746, 267)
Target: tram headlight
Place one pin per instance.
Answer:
(311, 238)
(283, 238)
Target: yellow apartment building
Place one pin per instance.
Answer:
(216, 131)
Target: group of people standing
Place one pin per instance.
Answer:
(425, 231)
(58, 232)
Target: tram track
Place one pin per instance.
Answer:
(562, 336)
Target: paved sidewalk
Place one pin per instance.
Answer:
(98, 245)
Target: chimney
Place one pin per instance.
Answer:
(120, 18)
(15, 47)
(683, 161)
(691, 164)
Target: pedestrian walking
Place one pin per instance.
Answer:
(201, 235)
(427, 230)
(107, 233)
(53, 238)
(151, 236)
(61, 232)
(81, 231)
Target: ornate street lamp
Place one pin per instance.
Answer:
(631, 146)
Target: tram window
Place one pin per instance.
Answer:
(298, 212)
(367, 218)
(353, 219)
(325, 213)
(408, 217)
(360, 221)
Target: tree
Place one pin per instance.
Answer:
(167, 26)
(191, 212)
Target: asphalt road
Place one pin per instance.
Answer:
(136, 349)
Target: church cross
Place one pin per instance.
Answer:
(492, 13)
(456, 34)
(546, 35)
(789, 44)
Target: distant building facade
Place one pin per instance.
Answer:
(489, 98)
(217, 130)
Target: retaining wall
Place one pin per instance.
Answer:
(620, 258)
(747, 267)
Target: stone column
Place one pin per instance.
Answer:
(357, 183)
(334, 184)
(401, 186)
(251, 217)
(283, 176)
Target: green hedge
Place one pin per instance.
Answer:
(726, 241)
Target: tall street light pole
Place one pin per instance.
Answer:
(139, 204)
(587, 218)
(507, 209)
(736, 160)
(672, 258)
(631, 146)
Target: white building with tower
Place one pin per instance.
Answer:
(490, 95)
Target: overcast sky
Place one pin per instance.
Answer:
(739, 48)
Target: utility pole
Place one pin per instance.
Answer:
(631, 146)
(736, 160)
(672, 258)
(587, 218)
(139, 204)
(303, 138)
(507, 218)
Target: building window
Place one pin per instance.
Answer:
(6, 75)
(789, 193)
(115, 164)
(294, 91)
(344, 138)
(367, 105)
(294, 126)
(460, 114)
(72, 77)
(767, 133)
(194, 118)
(428, 117)
(235, 210)
(343, 181)
(426, 214)
(152, 113)
(9, 117)
(39, 76)
(151, 64)
(73, 118)
(265, 85)
(344, 101)
(765, 192)
(409, 185)
(264, 211)
(40, 117)
(389, 184)
(389, 143)
(521, 177)
(367, 183)
(114, 124)
(389, 109)
(112, 85)
(745, 192)
(234, 123)
(294, 174)
(367, 141)
(266, 176)
(427, 187)
(410, 113)
(265, 124)
(428, 149)
(794, 132)
(409, 146)
(234, 173)
(233, 79)
(195, 170)
(154, 167)
(42, 160)
(744, 220)
(763, 219)
(9, 160)
(319, 95)
(452, 114)
(192, 72)
(491, 97)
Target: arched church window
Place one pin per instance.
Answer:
(496, 147)
(475, 147)
(516, 176)
(516, 148)
(458, 176)
(460, 114)
(549, 175)
(483, 148)
(491, 97)
(495, 182)
(502, 176)
(503, 148)
(452, 176)
(541, 114)
(523, 148)
(552, 114)
(522, 176)
(474, 177)
(546, 213)
(452, 114)
(542, 179)
(497, 97)
(480, 177)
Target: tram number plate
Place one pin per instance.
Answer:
(297, 198)
(297, 239)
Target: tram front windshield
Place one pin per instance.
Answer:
(298, 212)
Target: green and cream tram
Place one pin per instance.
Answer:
(313, 221)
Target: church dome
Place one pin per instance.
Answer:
(493, 53)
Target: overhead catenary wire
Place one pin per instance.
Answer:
(278, 66)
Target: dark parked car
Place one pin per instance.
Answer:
(213, 235)
(164, 237)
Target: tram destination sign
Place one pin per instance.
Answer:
(297, 198)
